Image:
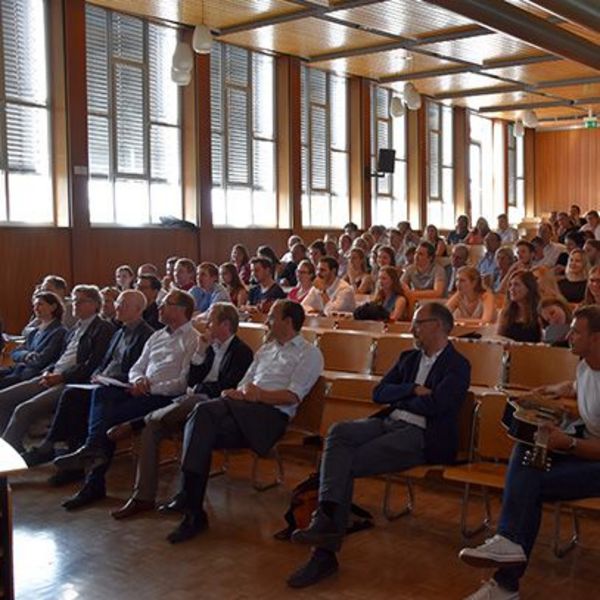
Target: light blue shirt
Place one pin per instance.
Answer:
(204, 299)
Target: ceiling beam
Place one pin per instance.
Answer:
(425, 74)
(485, 91)
(582, 12)
(500, 63)
(567, 82)
(525, 106)
(520, 24)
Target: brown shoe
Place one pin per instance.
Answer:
(122, 431)
(133, 506)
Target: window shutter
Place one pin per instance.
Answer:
(263, 95)
(127, 38)
(164, 94)
(96, 39)
(434, 164)
(237, 137)
(319, 149)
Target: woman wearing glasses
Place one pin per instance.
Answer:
(305, 273)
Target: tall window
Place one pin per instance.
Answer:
(325, 157)
(481, 168)
(389, 192)
(25, 163)
(516, 176)
(440, 165)
(134, 132)
(243, 137)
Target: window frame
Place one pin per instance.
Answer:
(515, 173)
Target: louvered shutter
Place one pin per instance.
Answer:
(216, 113)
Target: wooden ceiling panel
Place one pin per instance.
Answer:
(545, 71)
(584, 32)
(217, 13)
(303, 38)
(575, 92)
(484, 48)
(457, 82)
(383, 64)
(477, 102)
(408, 18)
(543, 113)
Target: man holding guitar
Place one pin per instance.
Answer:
(575, 471)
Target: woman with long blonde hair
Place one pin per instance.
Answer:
(572, 287)
(472, 301)
(390, 294)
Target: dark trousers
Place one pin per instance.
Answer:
(70, 422)
(109, 406)
(526, 489)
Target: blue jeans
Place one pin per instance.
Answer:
(526, 489)
(112, 405)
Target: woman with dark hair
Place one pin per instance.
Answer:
(241, 259)
(555, 315)
(471, 301)
(432, 235)
(592, 291)
(305, 274)
(519, 319)
(231, 281)
(386, 257)
(43, 344)
(124, 278)
(357, 274)
(390, 294)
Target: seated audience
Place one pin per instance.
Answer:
(292, 241)
(565, 226)
(43, 344)
(362, 245)
(461, 231)
(379, 234)
(425, 278)
(575, 471)
(351, 229)
(592, 292)
(169, 278)
(147, 269)
(504, 260)
(266, 290)
(508, 234)
(184, 274)
(357, 274)
(316, 251)
(386, 257)
(268, 252)
(487, 264)
(241, 259)
(422, 395)
(57, 285)
(409, 237)
(389, 293)
(287, 276)
(575, 214)
(329, 294)
(472, 302)
(593, 223)
(592, 249)
(369, 239)
(572, 287)
(124, 278)
(71, 416)
(547, 283)
(305, 274)
(373, 266)
(231, 281)
(150, 286)
(432, 236)
(225, 361)
(525, 252)
(345, 244)
(478, 233)
(550, 251)
(109, 297)
(159, 375)
(519, 319)
(574, 239)
(83, 348)
(211, 291)
(253, 415)
(555, 316)
(459, 257)
(396, 244)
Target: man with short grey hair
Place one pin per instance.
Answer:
(458, 258)
(24, 403)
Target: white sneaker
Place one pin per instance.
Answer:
(497, 551)
(490, 590)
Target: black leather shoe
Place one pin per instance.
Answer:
(321, 531)
(175, 505)
(65, 477)
(319, 567)
(191, 525)
(87, 457)
(38, 456)
(84, 497)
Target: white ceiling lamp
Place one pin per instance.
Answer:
(412, 98)
(202, 40)
(183, 58)
(530, 119)
(397, 108)
(181, 77)
(519, 129)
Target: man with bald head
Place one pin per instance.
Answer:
(71, 416)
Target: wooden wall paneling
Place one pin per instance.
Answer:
(29, 253)
(417, 167)
(461, 162)
(360, 152)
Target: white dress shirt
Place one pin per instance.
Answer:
(165, 360)
(551, 253)
(341, 298)
(294, 366)
(219, 349)
(508, 236)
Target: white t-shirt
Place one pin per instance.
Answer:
(588, 397)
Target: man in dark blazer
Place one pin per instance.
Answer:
(70, 422)
(424, 393)
(84, 347)
(226, 359)
(150, 286)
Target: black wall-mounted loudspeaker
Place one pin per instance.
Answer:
(386, 160)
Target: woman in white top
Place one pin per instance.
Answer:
(471, 301)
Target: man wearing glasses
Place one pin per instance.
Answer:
(423, 393)
(158, 376)
(84, 347)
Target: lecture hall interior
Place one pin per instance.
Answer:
(136, 131)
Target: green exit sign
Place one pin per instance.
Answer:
(591, 123)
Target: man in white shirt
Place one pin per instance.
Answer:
(424, 392)
(575, 472)
(551, 250)
(254, 415)
(593, 223)
(508, 234)
(158, 376)
(329, 293)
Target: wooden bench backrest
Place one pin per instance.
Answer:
(346, 351)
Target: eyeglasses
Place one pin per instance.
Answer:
(165, 303)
